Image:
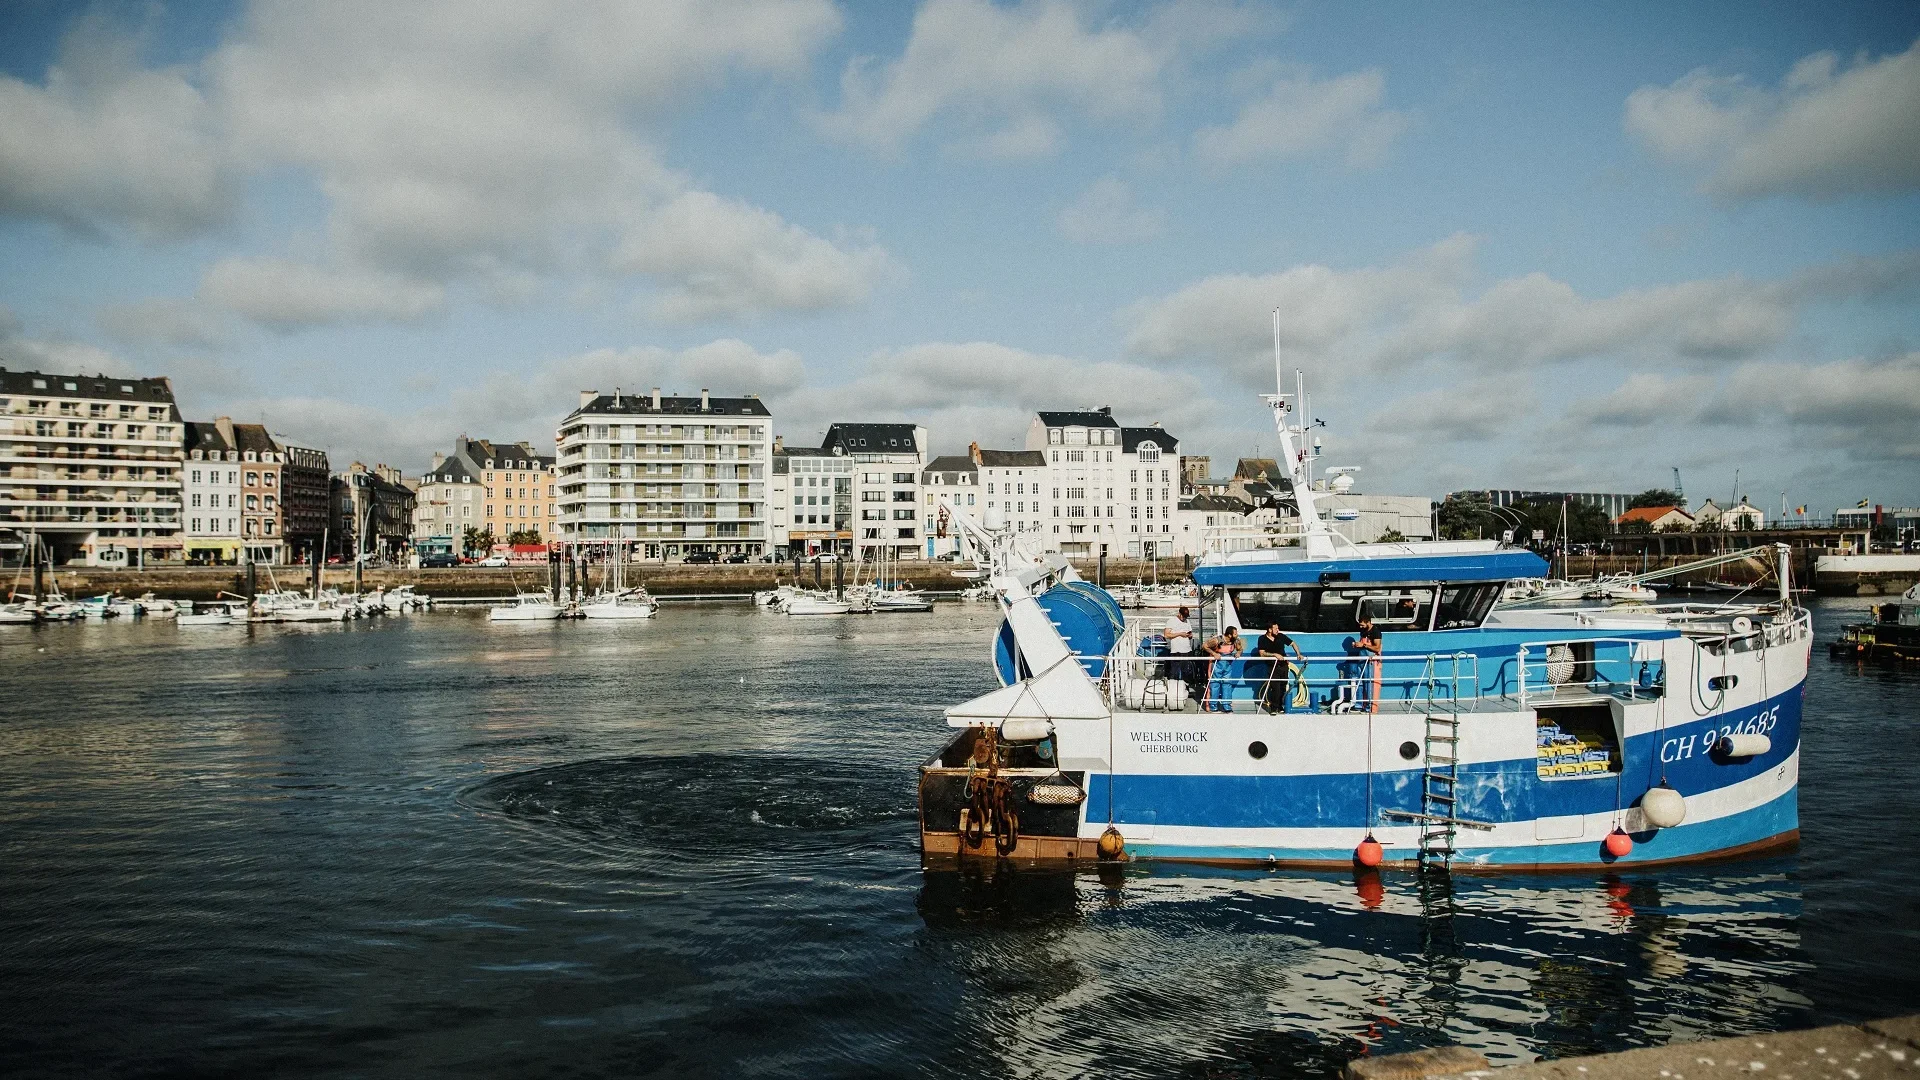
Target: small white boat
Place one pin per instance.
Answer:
(630, 604)
(817, 605)
(212, 614)
(899, 600)
(17, 615)
(526, 607)
(157, 608)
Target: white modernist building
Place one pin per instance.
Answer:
(674, 474)
(887, 459)
(1108, 489)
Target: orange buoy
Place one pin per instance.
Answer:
(1112, 844)
(1368, 853)
(1618, 844)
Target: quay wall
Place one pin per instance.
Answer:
(678, 579)
(672, 579)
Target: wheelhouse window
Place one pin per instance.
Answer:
(1466, 605)
(1337, 609)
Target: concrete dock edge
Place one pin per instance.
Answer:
(1867, 1051)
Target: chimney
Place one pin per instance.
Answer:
(1106, 410)
(616, 397)
(779, 443)
(439, 459)
(1156, 423)
(225, 426)
(973, 451)
(587, 396)
(706, 403)
(656, 399)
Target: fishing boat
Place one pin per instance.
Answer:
(527, 607)
(1476, 737)
(1894, 633)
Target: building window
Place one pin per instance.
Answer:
(1149, 452)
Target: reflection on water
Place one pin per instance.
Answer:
(687, 847)
(1295, 973)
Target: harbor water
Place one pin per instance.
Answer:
(686, 847)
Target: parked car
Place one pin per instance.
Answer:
(701, 557)
(774, 557)
(439, 561)
(738, 557)
(493, 560)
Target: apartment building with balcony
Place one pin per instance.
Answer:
(671, 475)
(90, 465)
(1109, 489)
(306, 498)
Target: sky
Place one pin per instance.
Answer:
(1510, 245)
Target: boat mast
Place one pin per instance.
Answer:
(1315, 537)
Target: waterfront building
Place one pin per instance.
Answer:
(812, 501)
(306, 498)
(887, 459)
(957, 477)
(94, 464)
(676, 474)
(1197, 514)
(210, 487)
(1012, 482)
(372, 512)
(490, 487)
(1654, 519)
(1745, 515)
(1109, 489)
(1378, 517)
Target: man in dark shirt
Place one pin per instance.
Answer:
(1369, 646)
(1274, 644)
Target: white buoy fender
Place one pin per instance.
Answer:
(1663, 807)
(1743, 745)
(1025, 730)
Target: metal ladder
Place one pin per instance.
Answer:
(1438, 818)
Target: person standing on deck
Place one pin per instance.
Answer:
(1223, 649)
(1179, 635)
(1274, 643)
(1370, 649)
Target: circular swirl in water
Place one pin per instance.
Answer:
(716, 803)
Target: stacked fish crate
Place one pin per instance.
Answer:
(1562, 753)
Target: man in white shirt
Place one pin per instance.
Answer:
(1179, 635)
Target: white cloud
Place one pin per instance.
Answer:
(716, 257)
(999, 70)
(58, 353)
(1388, 320)
(1107, 214)
(105, 146)
(289, 295)
(514, 151)
(1871, 408)
(1322, 314)
(1303, 117)
(1827, 131)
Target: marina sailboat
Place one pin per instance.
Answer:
(1451, 732)
(616, 599)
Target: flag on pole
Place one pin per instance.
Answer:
(1864, 503)
(1802, 511)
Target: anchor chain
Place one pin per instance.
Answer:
(990, 802)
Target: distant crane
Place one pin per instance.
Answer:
(1679, 493)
